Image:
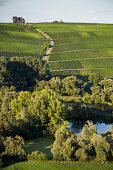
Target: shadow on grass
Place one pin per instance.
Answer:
(41, 144)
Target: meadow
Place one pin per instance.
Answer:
(80, 49)
(52, 165)
(17, 40)
(44, 145)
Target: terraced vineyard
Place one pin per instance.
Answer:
(80, 49)
(16, 40)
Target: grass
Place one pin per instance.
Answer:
(41, 144)
(59, 166)
(20, 41)
(80, 49)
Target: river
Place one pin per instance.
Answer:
(77, 126)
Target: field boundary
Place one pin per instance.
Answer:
(50, 61)
(83, 69)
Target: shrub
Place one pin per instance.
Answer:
(88, 130)
(37, 156)
(81, 154)
(101, 155)
(13, 147)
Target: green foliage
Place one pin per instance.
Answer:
(40, 108)
(23, 72)
(95, 78)
(101, 155)
(71, 85)
(81, 154)
(18, 19)
(85, 146)
(102, 148)
(7, 124)
(37, 156)
(13, 147)
(88, 130)
(87, 98)
(64, 145)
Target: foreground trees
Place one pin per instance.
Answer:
(37, 112)
(87, 145)
(11, 149)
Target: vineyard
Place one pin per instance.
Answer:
(80, 49)
(17, 40)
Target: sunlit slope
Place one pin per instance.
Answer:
(80, 49)
(16, 40)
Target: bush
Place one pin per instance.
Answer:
(101, 155)
(13, 147)
(37, 156)
(81, 154)
(88, 130)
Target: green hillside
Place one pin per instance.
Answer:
(18, 40)
(58, 166)
(80, 49)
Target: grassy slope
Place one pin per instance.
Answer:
(20, 41)
(80, 48)
(41, 144)
(59, 166)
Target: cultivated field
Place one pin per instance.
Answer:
(80, 49)
(16, 40)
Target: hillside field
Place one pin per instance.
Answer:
(80, 49)
(17, 40)
(49, 165)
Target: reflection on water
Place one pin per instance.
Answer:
(77, 126)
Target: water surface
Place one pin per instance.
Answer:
(77, 126)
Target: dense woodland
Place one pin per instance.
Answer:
(32, 104)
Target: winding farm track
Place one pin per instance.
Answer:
(51, 43)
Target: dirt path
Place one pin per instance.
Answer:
(51, 43)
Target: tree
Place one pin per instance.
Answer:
(13, 147)
(95, 78)
(88, 130)
(18, 19)
(71, 85)
(44, 108)
(15, 19)
(64, 145)
(102, 148)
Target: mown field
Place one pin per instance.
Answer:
(80, 49)
(16, 40)
(59, 166)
